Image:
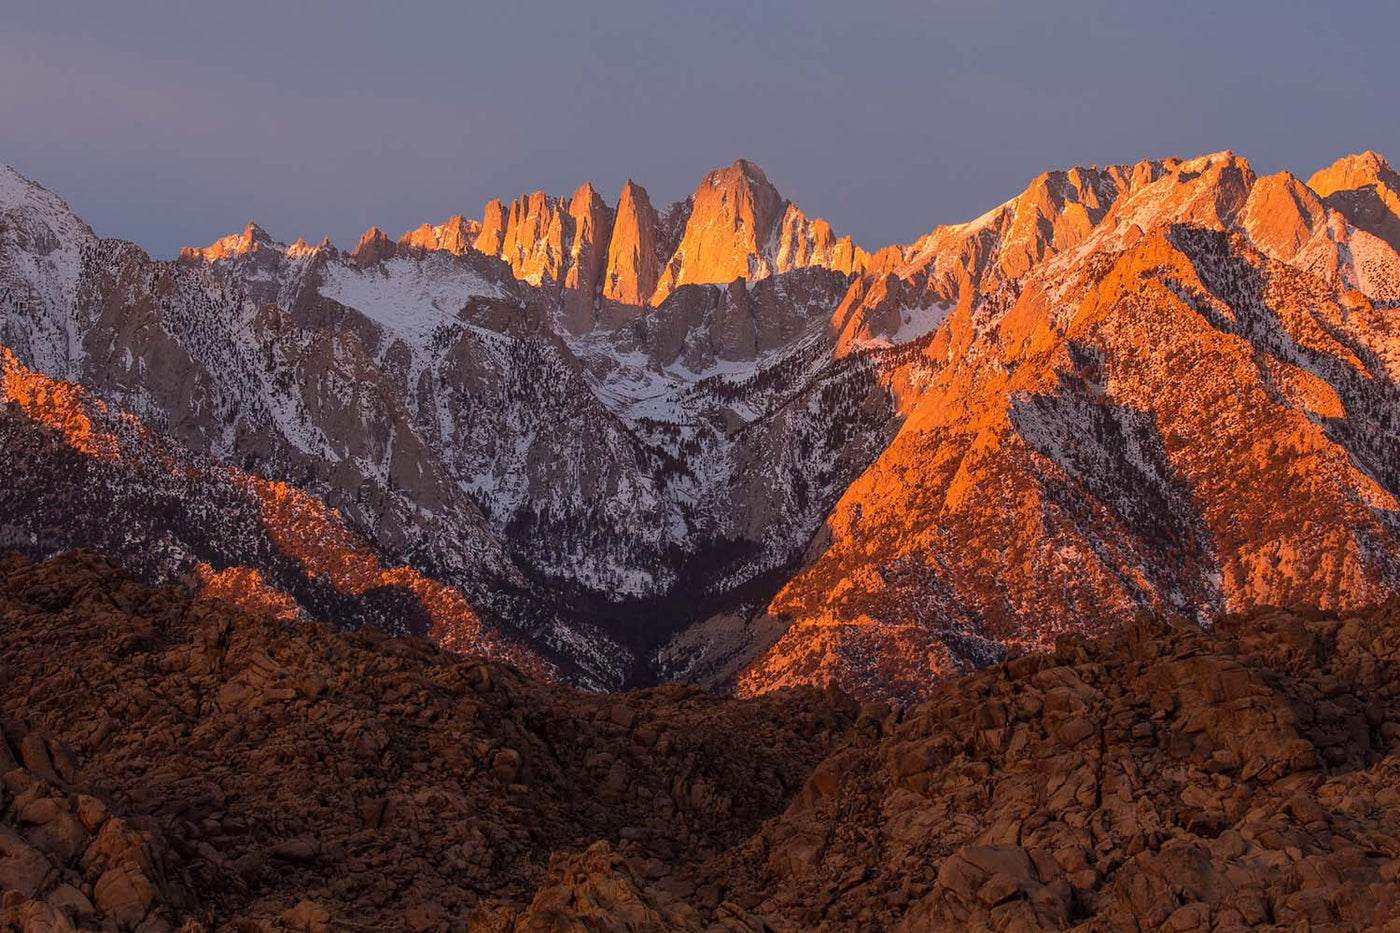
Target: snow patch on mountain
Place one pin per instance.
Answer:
(914, 323)
(410, 297)
(42, 244)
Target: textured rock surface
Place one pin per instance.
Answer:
(591, 221)
(457, 236)
(534, 245)
(493, 228)
(173, 764)
(1162, 779)
(731, 231)
(634, 264)
(374, 247)
(804, 243)
(1367, 190)
(252, 239)
(282, 775)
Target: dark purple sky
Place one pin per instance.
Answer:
(172, 124)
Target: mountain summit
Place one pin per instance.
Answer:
(1366, 190)
(731, 232)
(735, 226)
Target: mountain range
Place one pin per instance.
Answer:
(617, 444)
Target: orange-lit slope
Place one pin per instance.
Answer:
(1163, 419)
(83, 475)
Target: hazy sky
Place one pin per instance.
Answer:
(172, 124)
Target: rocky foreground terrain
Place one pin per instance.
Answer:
(172, 763)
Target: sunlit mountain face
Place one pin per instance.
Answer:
(714, 441)
(590, 566)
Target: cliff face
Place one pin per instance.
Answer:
(591, 225)
(493, 229)
(803, 243)
(374, 247)
(457, 236)
(252, 239)
(633, 264)
(731, 232)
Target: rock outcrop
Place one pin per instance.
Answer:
(634, 262)
(590, 230)
(803, 243)
(731, 232)
(534, 241)
(457, 236)
(252, 239)
(374, 247)
(199, 764)
(67, 861)
(1367, 191)
(169, 763)
(492, 235)
(1166, 778)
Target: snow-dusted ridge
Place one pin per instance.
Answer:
(42, 244)
(472, 413)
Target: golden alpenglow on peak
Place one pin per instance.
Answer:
(252, 238)
(1282, 214)
(467, 510)
(731, 232)
(589, 227)
(493, 228)
(302, 248)
(961, 513)
(1366, 190)
(607, 259)
(456, 236)
(633, 266)
(1354, 171)
(374, 247)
